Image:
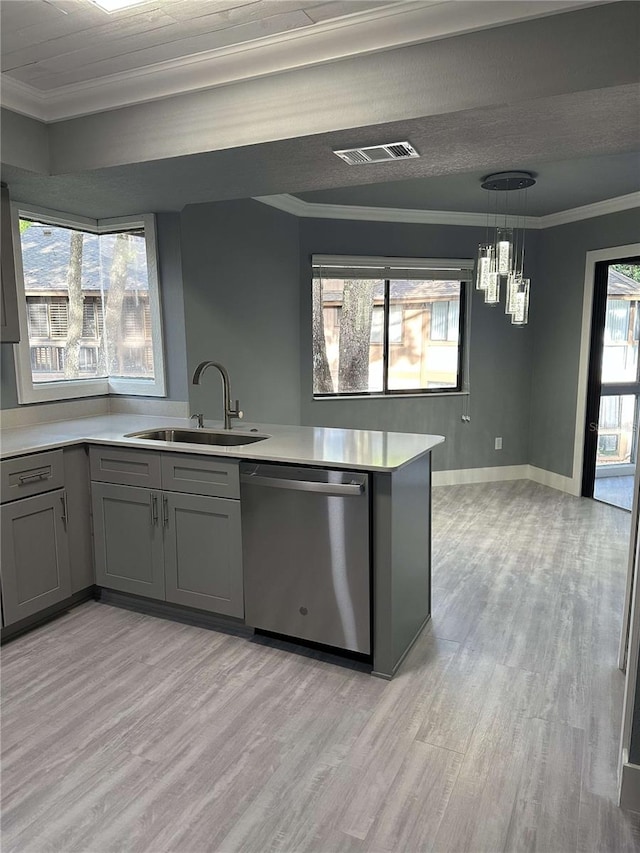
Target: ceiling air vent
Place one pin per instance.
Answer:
(377, 153)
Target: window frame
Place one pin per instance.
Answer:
(387, 270)
(67, 389)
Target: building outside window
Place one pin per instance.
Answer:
(386, 334)
(91, 311)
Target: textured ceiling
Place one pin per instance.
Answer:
(52, 43)
(585, 138)
(559, 186)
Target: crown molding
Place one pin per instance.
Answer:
(588, 211)
(381, 28)
(311, 210)
(21, 98)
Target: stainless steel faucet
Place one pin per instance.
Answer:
(229, 412)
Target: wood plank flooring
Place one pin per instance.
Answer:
(123, 732)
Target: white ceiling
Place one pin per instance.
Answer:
(563, 103)
(64, 58)
(54, 43)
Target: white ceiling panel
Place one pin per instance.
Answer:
(41, 39)
(89, 48)
(45, 78)
(46, 48)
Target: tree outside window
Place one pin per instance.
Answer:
(87, 299)
(385, 336)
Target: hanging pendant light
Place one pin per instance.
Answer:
(501, 257)
(485, 265)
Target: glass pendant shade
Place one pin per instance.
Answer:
(504, 250)
(500, 259)
(484, 265)
(513, 280)
(520, 313)
(492, 293)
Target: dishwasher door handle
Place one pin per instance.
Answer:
(336, 489)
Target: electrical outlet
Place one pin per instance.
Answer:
(498, 443)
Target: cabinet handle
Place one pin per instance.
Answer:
(63, 501)
(154, 509)
(24, 479)
(165, 511)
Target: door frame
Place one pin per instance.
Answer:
(592, 258)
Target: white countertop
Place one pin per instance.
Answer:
(366, 450)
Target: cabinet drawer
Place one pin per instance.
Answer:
(200, 475)
(31, 475)
(126, 467)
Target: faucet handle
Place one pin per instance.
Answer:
(199, 420)
(236, 411)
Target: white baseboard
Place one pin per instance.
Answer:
(556, 481)
(499, 473)
(630, 786)
(148, 406)
(460, 476)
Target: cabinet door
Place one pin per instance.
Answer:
(128, 539)
(35, 555)
(9, 325)
(203, 553)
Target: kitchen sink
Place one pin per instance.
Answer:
(198, 436)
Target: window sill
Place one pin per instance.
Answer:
(57, 392)
(423, 396)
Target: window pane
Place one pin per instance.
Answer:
(61, 269)
(427, 357)
(347, 354)
(617, 321)
(377, 325)
(453, 321)
(620, 353)
(616, 433)
(439, 321)
(396, 315)
(125, 294)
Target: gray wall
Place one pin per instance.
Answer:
(556, 322)
(499, 355)
(241, 289)
(170, 271)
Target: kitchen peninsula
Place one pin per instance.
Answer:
(151, 473)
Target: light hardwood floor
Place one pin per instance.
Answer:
(122, 732)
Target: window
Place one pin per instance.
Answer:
(91, 310)
(445, 320)
(608, 445)
(387, 325)
(617, 321)
(610, 412)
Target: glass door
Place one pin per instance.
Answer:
(613, 405)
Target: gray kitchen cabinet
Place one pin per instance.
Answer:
(179, 543)
(46, 531)
(35, 555)
(9, 324)
(202, 553)
(125, 466)
(77, 487)
(128, 543)
(200, 475)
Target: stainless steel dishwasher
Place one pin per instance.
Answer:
(306, 553)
